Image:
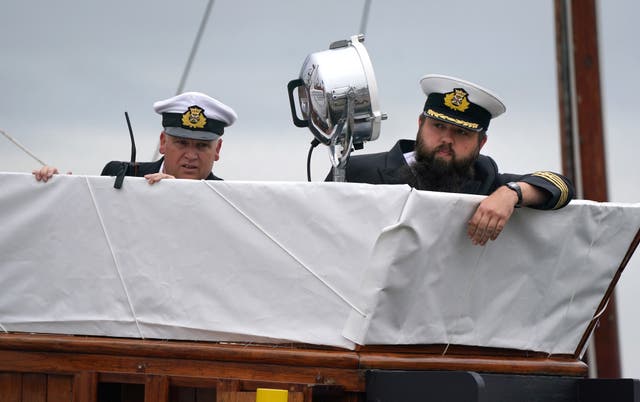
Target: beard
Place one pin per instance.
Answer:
(434, 174)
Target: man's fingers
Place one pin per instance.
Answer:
(474, 224)
(497, 231)
(482, 235)
(44, 173)
(494, 234)
(483, 229)
(491, 216)
(477, 228)
(156, 177)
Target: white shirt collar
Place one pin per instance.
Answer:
(410, 157)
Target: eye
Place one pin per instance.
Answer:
(203, 145)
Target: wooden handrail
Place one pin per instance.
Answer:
(295, 356)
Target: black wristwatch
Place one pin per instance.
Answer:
(516, 187)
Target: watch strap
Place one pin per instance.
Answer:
(516, 187)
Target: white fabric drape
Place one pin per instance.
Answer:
(323, 263)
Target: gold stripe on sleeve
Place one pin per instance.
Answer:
(559, 183)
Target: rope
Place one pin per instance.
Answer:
(281, 246)
(113, 255)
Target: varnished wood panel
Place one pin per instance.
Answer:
(34, 388)
(156, 389)
(296, 397)
(10, 387)
(59, 388)
(85, 387)
(123, 378)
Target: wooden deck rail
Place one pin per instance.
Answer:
(52, 368)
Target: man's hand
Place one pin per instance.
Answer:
(45, 173)
(156, 177)
(491, 216)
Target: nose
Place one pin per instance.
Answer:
(447, 136)
(191, 153)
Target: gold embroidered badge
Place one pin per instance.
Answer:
(194, 118)
(457, 99)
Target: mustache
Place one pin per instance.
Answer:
(444, 147)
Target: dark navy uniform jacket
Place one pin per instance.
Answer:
(113, 168)
(384, 168)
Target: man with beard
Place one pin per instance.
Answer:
(446, 157)
(190, 142)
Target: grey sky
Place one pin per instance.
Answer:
(71, 68)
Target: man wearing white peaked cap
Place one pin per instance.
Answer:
(190, 142)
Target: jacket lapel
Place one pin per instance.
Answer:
(391, 174)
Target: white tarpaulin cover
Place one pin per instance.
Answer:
(323, 263)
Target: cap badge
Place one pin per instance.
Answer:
(194, 118)
(457, 99)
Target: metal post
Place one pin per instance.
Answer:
(582, 138)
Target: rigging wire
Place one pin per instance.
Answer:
(22, 147)
(194, 48)
(192, 55)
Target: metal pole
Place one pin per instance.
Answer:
(582, 138)
(365, 17)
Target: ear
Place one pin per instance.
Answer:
(483, 141)
(163, 143)
(218, 147)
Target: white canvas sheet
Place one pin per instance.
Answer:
(322, 263)
(534, 288)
